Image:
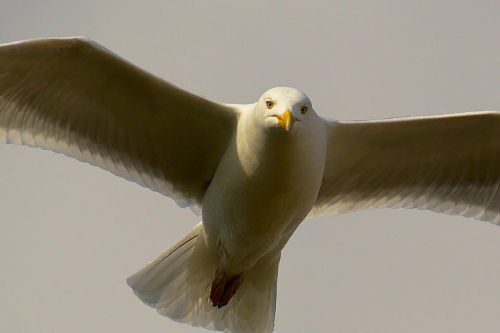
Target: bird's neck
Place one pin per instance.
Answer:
(263, 149)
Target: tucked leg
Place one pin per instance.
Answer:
(224, 288)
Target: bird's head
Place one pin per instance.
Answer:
(285, 111)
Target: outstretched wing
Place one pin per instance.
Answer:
(75, 97)
(448, 164)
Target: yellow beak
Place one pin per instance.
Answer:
(286, 120)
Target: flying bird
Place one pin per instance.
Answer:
(253, 171)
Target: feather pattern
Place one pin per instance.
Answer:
(72, 96)
(448, 164)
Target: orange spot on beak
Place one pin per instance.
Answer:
(286, 120)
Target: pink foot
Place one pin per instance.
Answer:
(223, 288)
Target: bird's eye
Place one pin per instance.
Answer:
(303, 109)
(269, 104)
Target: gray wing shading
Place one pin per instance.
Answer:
(72, 96)
(448, 164)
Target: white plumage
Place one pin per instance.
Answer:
(255, 172)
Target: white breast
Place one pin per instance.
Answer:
(264, 187)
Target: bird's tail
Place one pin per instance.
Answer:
(178, 284)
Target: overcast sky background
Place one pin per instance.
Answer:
(70, 234)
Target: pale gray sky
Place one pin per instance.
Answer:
(70, 233)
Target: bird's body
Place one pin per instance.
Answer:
(254, 202)
(254, 171)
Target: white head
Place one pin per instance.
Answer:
(281, 126)
(285, 111)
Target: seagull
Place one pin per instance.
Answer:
(253, 171)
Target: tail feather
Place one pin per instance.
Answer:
(178, 284)
(149, 282)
